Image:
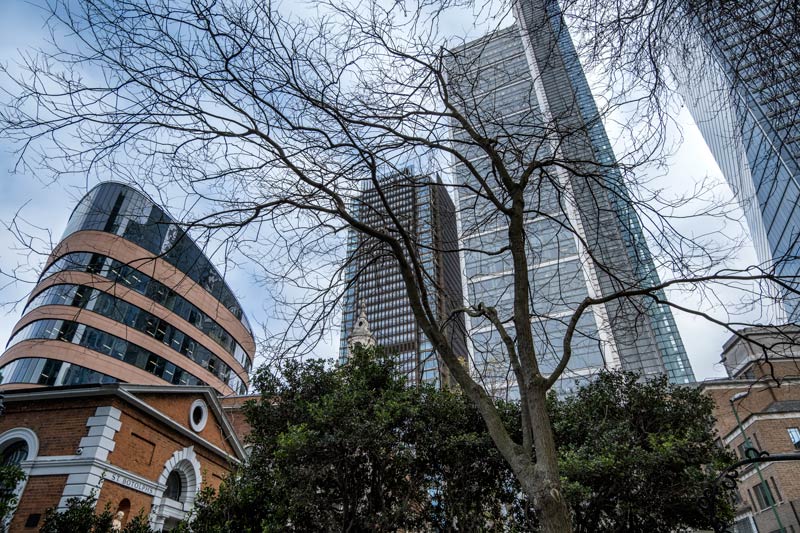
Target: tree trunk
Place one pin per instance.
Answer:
(542, 482)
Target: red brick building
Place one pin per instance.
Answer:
(769, 411)
(137, 447)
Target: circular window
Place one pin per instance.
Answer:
(198, 415)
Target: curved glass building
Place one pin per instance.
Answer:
(128, 296)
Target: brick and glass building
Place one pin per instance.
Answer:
(517, 87)
(768, 495)
(422, 206)
(128, 297)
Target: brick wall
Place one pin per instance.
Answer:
(41, 493)
(760, 397)
(233, 410)
(59, 426)
(177, 408)
(766, 427)
(144, 445)
(112, 495)
(784, 485)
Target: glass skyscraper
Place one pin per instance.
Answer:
(425, 211)
(741, 87)
(516, 87)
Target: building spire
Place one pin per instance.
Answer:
(361, 333)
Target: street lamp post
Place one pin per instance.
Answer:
(747, 445)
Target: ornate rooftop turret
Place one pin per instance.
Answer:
(361, 333)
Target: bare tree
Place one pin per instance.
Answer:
(640, 39)
(276, 121)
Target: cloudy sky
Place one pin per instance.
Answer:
(45, 206)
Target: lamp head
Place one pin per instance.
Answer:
(738, 396)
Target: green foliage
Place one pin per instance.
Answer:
(10, 477)
(138, 524)
(80, 516)
(468, 477)
(354, 449)
(636, 456)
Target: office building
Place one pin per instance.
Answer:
(739, 82)
(376, 291)
(128, 297)
(517, 87)
(752, 411)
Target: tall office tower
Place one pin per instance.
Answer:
(127, 296)
(426, 212)
(741, 86)
(524, 90)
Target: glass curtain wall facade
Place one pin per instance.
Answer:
(748, 111)
(513, 85)
(426, 212)
(127, 296)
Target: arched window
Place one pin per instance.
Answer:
(174, 486)
(16, 445)
(15, 453)
(181, 479)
